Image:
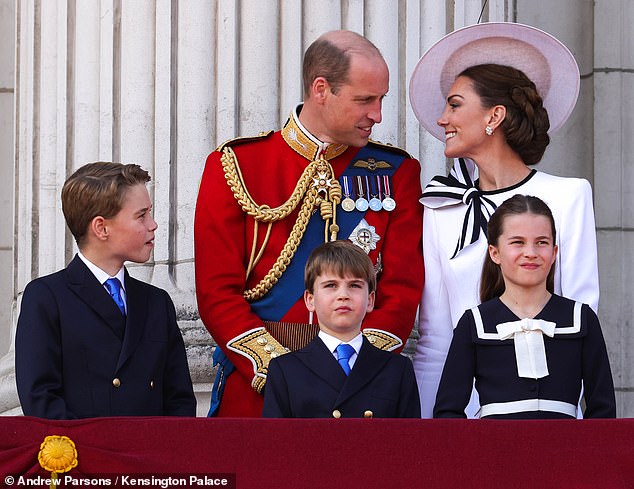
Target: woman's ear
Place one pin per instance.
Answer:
(555, 251)
(496, 116)
(494, 254)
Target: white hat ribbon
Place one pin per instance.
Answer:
(530, 353)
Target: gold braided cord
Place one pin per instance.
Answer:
(253, 263)
(287, 253)
(263, 213)
(317, 186)
(253, 247)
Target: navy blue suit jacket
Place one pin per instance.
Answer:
(309, 383)
(76, 356)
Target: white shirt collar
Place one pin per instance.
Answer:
(99, 274)
(320, 144)
(332, 343)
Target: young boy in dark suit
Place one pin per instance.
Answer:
(339, 373)
(91, 340)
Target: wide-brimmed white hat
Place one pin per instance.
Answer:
(543, 58)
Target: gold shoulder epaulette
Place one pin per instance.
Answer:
(383, 340)
(246, 139)
(389, 147)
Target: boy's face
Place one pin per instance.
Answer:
(341, 303)
(131, 231)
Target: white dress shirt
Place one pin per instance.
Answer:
(332, 343)
(103, 276)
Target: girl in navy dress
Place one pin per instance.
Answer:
(528, 349)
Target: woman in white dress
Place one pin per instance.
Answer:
(493, 93)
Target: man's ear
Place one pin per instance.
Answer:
(371, 297)
(309, 301)
(319, 89)
(98, 227)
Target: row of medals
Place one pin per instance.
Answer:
(363, 200)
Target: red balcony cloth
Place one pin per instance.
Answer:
(379, 453)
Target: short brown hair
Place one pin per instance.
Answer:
(491, 281)
(340, 257)
(526, 124)
(329, 56)
(97, 189)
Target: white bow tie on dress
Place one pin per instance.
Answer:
(459, 188)
(530, 353)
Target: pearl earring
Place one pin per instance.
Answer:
(489, 131)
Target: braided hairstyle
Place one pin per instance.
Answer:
(526, 124)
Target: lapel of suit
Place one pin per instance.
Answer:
(88, 289)
(322, 363)
(136, 302)
(369, 362)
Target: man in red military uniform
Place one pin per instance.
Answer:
(264, 203)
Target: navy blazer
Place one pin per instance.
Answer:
(76, 356)
(576, 354)
(310, 383)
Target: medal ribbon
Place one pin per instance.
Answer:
(360, 189)
(373, 185)
(386, 185)
(346, 186)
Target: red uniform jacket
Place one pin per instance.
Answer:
(223, 240)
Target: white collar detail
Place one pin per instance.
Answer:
(528, 337)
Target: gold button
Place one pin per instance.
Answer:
(262, 341)
(116, 382)
(368, 414)
(269, 348)
(336, 414)
(151, 384)
(274, 354)
(372, 339)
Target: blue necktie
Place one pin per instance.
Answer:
(344, 352)
(114, 288)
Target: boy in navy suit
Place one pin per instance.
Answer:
(339, 373)
(91, 340)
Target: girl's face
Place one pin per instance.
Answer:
(464, 121)
(525, 250)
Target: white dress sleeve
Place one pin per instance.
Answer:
(435, 325)
(578, 273)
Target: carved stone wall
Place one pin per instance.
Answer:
(162, 83)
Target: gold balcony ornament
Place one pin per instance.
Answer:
(57, 455)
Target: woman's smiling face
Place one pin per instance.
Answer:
(464, 120)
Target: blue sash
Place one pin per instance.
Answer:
(290, 287)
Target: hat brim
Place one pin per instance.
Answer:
(542, 57)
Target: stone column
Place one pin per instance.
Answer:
(162, 83)
(612, 125)
(595, 144)
(7, 161)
